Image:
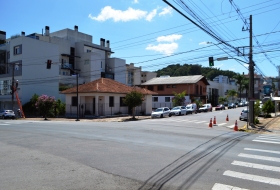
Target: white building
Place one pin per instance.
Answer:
(24, 58)
(135, 75)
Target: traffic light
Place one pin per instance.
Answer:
(211, 61)
(49, 64)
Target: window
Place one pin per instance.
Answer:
(151, 88)
(155, 99)
(122, 104)
(88, 50)
(8, 55)
(160, 88)
(86, 62)
(142, 81)
(74, 101)
(168, 86)
(173, 86)
(18, 50)
(167, 99)
(111, 101)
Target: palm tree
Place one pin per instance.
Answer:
(231, 93)
(239, 80)
(222, 100)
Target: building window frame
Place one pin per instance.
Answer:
(74, 101)
(167, 99)
(111, 101)
(122, 104)
(160, 87)
(17, 49)
(155, 99)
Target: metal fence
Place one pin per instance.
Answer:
(104, 109)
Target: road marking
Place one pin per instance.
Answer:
(256, 166)
(259, 157)
(231, 126)
(221, 124)
(260, 150)
(4, 124)
(272, 142)
(268, 138)
(219, 186)
(251, 177)
(200, 122)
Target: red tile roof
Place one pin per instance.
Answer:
(106, 85)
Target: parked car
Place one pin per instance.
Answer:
(220, 107)
(205, 108)
(161, 112)
(7, 114)
(246, 103)
(179, 110)
(244, 114)
(231, 105)
(191, 108)
(240, 104)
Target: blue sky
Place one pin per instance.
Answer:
(151, 34)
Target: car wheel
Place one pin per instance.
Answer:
(170, 115)
(13, 117)
(161, 116)
(179, 113)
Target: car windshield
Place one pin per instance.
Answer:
(188, 107)
(176, 108)
(159, 109)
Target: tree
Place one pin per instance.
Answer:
(133, 99)
(239, 80)
(268, 107)
(30, 107)
(231, 93)
(222, 100)
(45, 104)
(59, 107)
(257, 111)
(246, 86)
(179, 99)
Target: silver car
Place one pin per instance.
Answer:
(244, 115)
(179, 110)
(161, 112)
(7, 114)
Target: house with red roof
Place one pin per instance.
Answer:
(103, 97)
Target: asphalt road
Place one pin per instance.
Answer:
(179, 152)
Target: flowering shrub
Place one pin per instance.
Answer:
(45, 104)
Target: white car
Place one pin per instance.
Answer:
(179, 110)
(244, 115)
(161, 112)
(191, 108)
(7, 114)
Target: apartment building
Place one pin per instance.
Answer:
(135, 75)
(74, 57)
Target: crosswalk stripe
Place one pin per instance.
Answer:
(276, 136)
(251, 177)
(4, 124)
(260, 150)
(221, 124)
(230, 126)
(259, 157)
(272, 142)
(256, 166)
(219, 186)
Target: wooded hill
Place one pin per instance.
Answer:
(187, 70)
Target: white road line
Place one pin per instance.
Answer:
(259, 157)
(4, 124)
(221, 124)
(256, 166)
(219, 186)
(200, 122)
(231, 126)
(260, 150)
(268, 138)
(272, 142)
(251, 177)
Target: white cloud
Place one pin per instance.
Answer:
(203, 43)
(135, 1)
(166, 10)
(118, 15)
(169, 38)
(151, 15)
(167, 49)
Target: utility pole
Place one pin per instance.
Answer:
(251, 77)
(13, 87)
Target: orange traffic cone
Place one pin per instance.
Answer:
(214, 121)
(235, 126)
(227, 118)
(210, 124)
